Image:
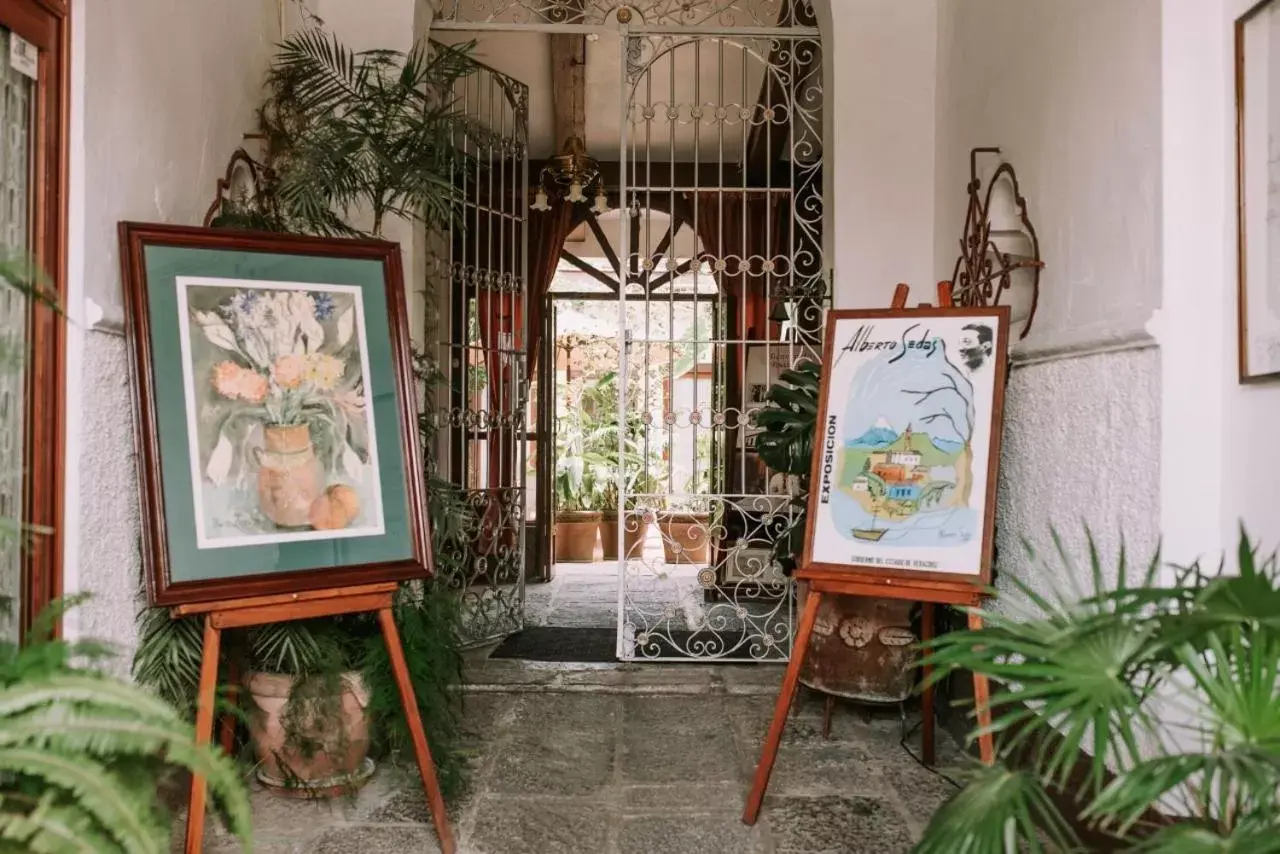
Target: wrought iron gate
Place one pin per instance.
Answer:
(721, 130)
(721, 139)
(478, 284)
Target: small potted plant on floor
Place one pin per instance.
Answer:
(686, 524)
(581, 472)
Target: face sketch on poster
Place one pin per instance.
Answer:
(904, 463)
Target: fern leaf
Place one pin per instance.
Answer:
(96, 791)
(50, 828)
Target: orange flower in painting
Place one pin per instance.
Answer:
(226, 379)
(253, 386)
(289, 371)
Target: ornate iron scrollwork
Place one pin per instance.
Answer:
(984, 273)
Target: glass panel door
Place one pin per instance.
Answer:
(16, 104)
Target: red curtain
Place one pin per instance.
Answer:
(745, 233)
(501, 310)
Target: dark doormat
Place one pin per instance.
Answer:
(558, 643)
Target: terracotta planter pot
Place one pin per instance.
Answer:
(576, 535)
(633, 534)
(684, 537)
(861, 648)
(290, 478)
(340, 733)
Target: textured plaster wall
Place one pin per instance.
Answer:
(1073, 98)
(1081, 447)
(164, 90)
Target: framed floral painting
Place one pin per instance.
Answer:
(277, 427)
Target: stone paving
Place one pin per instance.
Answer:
(633, 759)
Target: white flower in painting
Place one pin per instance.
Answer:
(216, 330)
(346, 325)
(302, 311)
(220, 461)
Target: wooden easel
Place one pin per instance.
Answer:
(242, 613)
(852, 583)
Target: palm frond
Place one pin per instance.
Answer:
(998, 810)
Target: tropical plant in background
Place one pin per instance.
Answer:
(785, 444)
(1165, 690)
(375, 132)
(351, 140)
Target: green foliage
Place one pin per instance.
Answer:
(1172, 688)
(81, 753)
(349, 134)
(373, 131)
(785, 444)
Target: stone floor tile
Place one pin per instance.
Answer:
(677, 739)
(721, 833)
(836, 824)
(824, 769)
(520, 826)
(557, 744)
(919, 790)
(686, 796)
(366, 839)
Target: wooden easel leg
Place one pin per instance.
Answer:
(828, 706)
(204, 732)
(982, 700)
(785, 698)
(927, 720)
(386, 617)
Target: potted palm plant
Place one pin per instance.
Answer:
(352, 140)
(620, 459)
(1120, 702)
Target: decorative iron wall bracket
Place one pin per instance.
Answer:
(983, 273)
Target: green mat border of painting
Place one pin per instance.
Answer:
(187, 564)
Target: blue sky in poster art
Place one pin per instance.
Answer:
(876, 396)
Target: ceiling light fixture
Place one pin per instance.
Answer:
(572, 174)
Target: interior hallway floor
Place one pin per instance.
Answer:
(635, 759)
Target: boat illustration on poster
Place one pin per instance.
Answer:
(905, 458)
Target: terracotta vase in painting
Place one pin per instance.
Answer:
(290, 478)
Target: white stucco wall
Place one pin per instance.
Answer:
(880, 78)
(164, 90)
(1070, 91)
(1208, 416)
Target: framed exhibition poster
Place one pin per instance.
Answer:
(907, 443)
(276, 422)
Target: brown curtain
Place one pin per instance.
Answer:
(747, 231)
(501, 311)
(747, 235)
(501, 314)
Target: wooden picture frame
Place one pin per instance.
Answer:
(913, 399)
(1257, 55)
(275, 413)
(46, 25)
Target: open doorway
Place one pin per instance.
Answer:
(602, 412)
